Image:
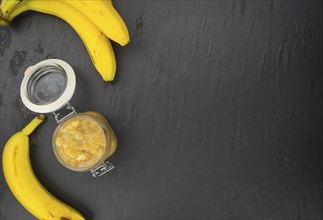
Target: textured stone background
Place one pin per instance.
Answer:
(217, 106)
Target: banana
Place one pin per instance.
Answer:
(6, 7)
(97, 44)
(99, 12)
(23, 182)
(106, 18)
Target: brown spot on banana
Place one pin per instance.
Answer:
(15, 153)
(51, 214)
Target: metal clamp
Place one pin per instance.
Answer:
(64, 112)
(102, 169)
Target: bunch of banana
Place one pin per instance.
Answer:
(94, 21)
(23, 182)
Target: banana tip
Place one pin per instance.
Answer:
(4, 22)
(125, 43)
(41, 117)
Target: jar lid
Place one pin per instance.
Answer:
(48, 86)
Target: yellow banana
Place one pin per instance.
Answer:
(23, 182)
(6, 8)
(97, 44)
(106, 18)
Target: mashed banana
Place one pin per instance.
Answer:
(80, 142)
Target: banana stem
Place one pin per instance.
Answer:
(4, 22)
(33, 124)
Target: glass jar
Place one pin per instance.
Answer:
(81, 141)
(84, 147)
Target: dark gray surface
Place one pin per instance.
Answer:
(217, 107)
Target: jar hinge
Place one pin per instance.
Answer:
(64, 112)
(102, 169)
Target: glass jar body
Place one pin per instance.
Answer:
(108, 145)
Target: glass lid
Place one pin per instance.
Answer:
(48, 86)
